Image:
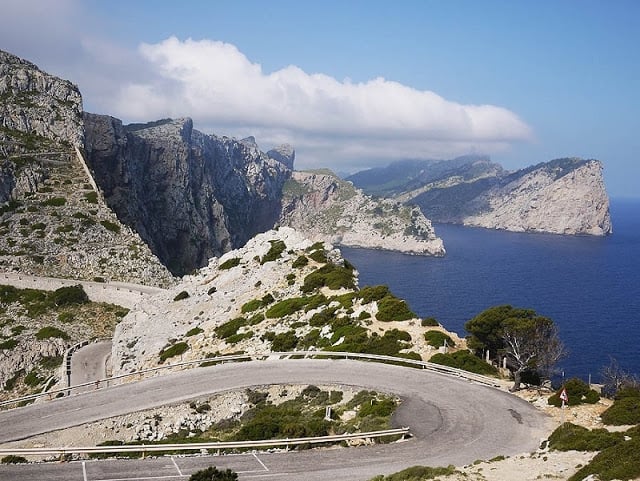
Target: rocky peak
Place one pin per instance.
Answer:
(34, 102)
(284, 154)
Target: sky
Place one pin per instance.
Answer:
(359, 83)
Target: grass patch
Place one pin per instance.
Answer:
(275, 251)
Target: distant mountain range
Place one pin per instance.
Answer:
(562, 196)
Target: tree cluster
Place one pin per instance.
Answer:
(529, 341)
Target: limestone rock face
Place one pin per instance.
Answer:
(575, 203)
(191, 196)
(284, 154)
(34, 102)
(563, 196)
(332, 210)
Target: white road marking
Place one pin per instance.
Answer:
(261, 463)
(84, 471)
(176, 465)
(144, 478)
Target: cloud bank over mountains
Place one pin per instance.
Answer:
(330, 122)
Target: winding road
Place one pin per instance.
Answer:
(453, 421)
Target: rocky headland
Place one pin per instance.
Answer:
(563, 196)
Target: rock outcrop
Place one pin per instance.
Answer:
(278, 292)
(189, 195)
(34, 103)
(329, 209)
(564, 196)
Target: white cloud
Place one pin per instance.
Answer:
(328, 121)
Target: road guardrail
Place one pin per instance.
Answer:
(148, 448)
(101, 383)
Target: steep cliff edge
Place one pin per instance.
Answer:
(191, 196)
(332, 210)
(563, 196)
(52, 221)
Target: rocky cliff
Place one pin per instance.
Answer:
(563, 196)
(53, 222)
(191, 196)
(329, 209)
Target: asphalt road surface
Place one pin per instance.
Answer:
(453, 422)
(90, 363)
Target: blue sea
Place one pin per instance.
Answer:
(589, 286)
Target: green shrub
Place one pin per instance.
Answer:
(437, 339)
(391, 308)
(194, 332)
(300, 262)
(50, 362)
(13, 459)
(181, 295)
(319, 256)
(68, 295)
(91, 197)
(578, 392)
(50, 332)
(213, 474)
(331, 276)
(32, 379)
(373, 293)
(283, 342)
(17, 330)
(323, 318)
(568, 437)
(211, 290)
(275, 251)
(620, 461)
(54, 202)
(378, 408)
(417, 473)
(625, 409)
(230, 328)
(464, 360)
(110, 226)
(429, 322)
(175, 350)
(286, 307)
(229, 263)
(8, 344)
(364, 315)
(252, 305)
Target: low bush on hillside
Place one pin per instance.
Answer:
(68, 295)
(231, 327)
(464, 360)
(174, 350)
(578, 392)
(213, 474)
(300, 262)
(275, 251)
(194, 332)
(625, 409)
(438, 338)
(390, 308)
(417, 473)
(110, 226)
(570, 437)
(13, 459)
(181, 295)
(330, 275)
(283, 342)
(8, 344)
(287, 307)
(48, 332)
(54, 202)
(229, 263)
(429, 322)
(369, 294)
(620, 461)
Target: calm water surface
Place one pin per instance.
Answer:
(589, 286)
